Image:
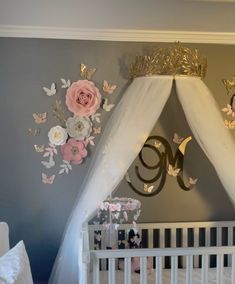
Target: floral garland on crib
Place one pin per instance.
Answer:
(70, 139)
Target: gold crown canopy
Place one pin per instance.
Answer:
(173, 60)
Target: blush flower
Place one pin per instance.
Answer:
(79, 127)
(74, 151)
(57, 135)
(83, 98)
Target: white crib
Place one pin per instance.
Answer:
(190, 253)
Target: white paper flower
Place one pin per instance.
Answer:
(79, 127)
(57, 135)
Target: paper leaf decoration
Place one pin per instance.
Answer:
(108, 88)
(90, 140)
(65, 167)
(85, 72)
(58, 111)
(48, 179)
(39, 148)
(48, 164)
(177, 139)
(172, 171)
(107, 107)
(228, 110)
(40, 117)
(65, 84)
(147, 188)
(50, 91)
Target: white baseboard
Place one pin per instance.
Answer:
(117, 34)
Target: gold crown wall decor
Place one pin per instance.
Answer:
(173, 60)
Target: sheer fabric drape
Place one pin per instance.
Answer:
(123, 138)
(204, 119)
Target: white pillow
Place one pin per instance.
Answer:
(4, 238)
(15, 267)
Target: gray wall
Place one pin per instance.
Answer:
(37, 213)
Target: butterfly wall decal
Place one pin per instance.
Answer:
(49, 164)
(97, 130)
(107, 107)
(40, 117)
(65, 84)
(34, 131)
(147, 188)
(108, 88)
(192, 181)
(230, 124)
(177, 139)
(229, 84)
(47, 179)
(50, 91)
(85, 72)
(172, 171)
(39, 148)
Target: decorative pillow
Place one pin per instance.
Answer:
(4, 238)
(15, 267)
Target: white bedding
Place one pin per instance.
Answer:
(167, 276)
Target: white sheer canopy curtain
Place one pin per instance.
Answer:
(206, 123)
(123, 138)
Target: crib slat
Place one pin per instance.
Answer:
(196, 244)
(230, 243)
(205, 262)
(174, 269)
(162, 242)
(173, 238)
(158, 270)
(184, 244)
(103, 246)
(208, 236)
(143, 270)
(150, 238)
(219, 236)
(127, 270)
(219, 269)
(189, 269)
(96, 271)
(233, 268)
(111, 272)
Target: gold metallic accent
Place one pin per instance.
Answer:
(173, 60)
(85, 72)
(229, 84)
(183, 145)
(58, 111)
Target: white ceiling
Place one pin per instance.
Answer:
(144, 15)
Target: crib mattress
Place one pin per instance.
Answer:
(167, 276)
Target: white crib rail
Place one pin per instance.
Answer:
(158, 254)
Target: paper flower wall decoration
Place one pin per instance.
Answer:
(70, 139)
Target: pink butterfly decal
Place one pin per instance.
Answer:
(47, 179)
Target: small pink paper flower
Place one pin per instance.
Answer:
(74, 151)
(83, 98)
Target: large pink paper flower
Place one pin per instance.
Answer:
(83, 98)
(74, 151)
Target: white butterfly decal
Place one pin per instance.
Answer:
(48, 164)
(106, 106)
(50, 92)
(48, 179)
(147, 188)
(177, 139)
(192, 181)
(65, 84)
(108, 88)
(96, 117)
(172, 171)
